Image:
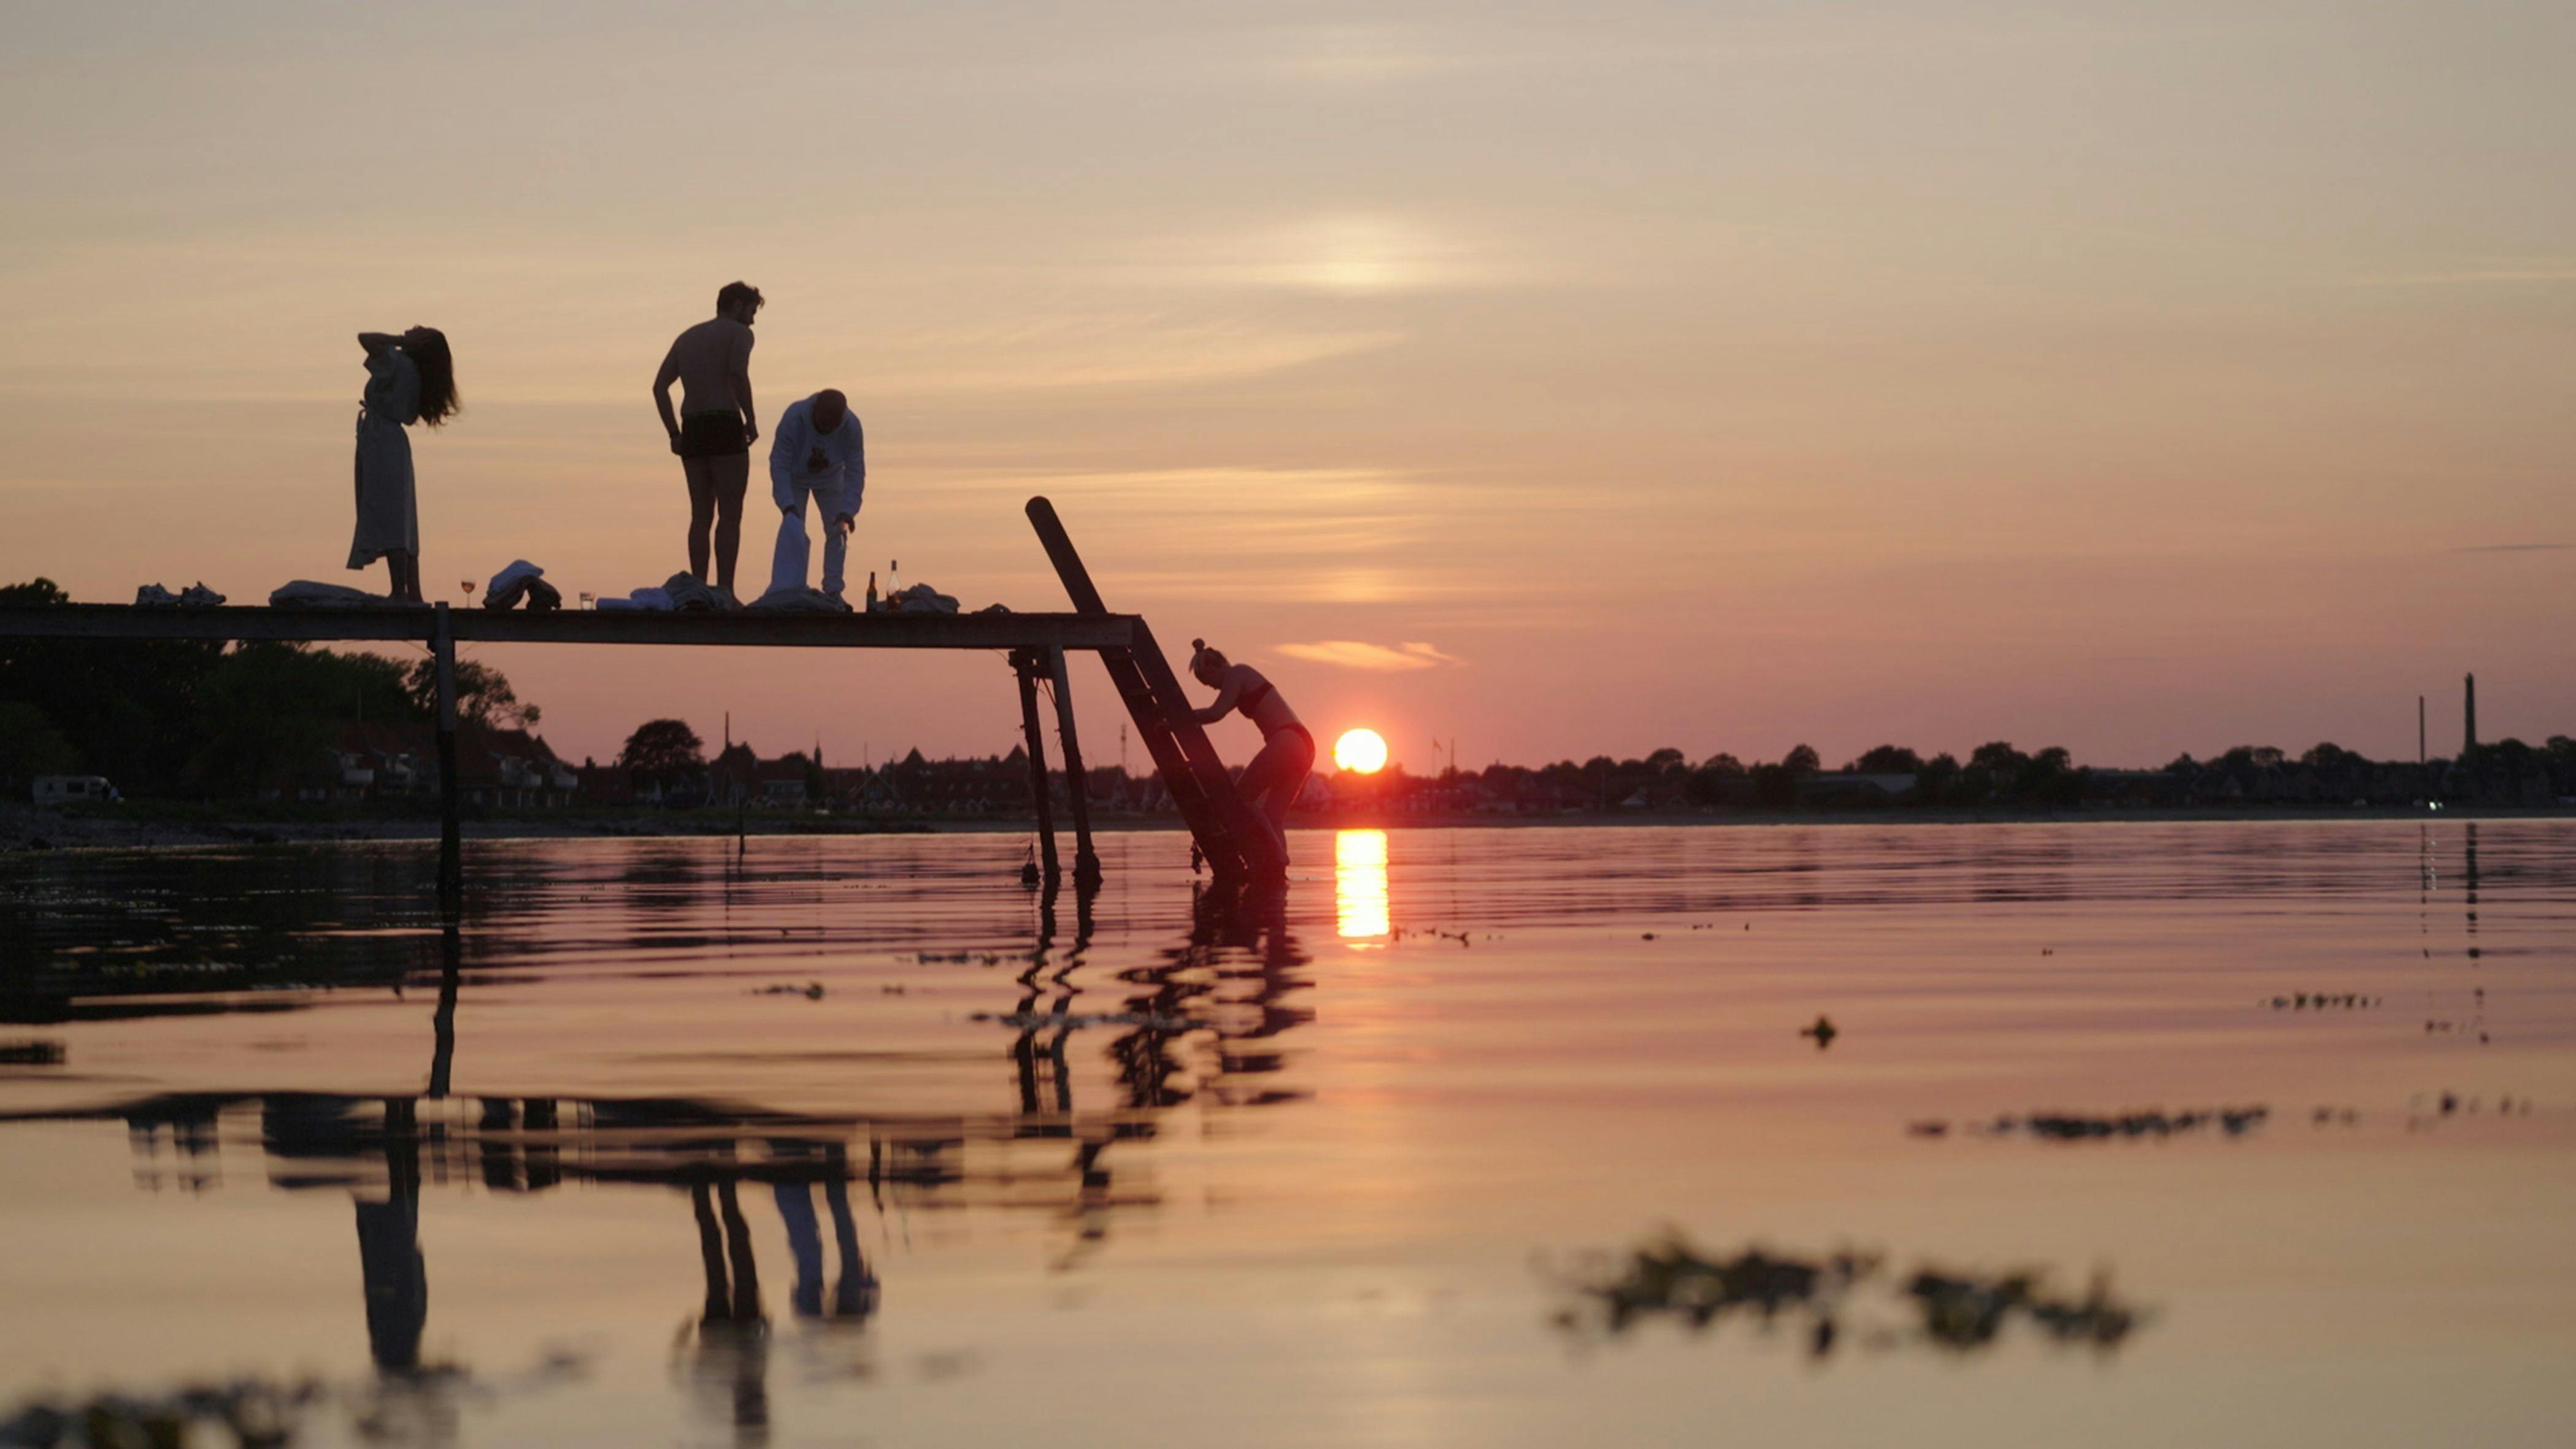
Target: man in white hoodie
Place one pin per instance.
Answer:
(817, 451)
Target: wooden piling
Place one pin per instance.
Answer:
(451, 791)
(1024, 664)
(1077, 788)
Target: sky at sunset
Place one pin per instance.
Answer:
(1561, 379)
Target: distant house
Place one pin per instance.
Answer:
(1852, 788)
(782, 781)
(385, 760)
(73, 789)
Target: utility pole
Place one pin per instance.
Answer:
(2420, 755)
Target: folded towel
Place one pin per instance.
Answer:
(305, 593)
(510, 584)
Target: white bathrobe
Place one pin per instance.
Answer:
(831, 469)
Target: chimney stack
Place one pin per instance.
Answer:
(2469, 721)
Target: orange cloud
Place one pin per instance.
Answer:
(1353, 654)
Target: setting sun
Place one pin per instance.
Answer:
(1361, 751)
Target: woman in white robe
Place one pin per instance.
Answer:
(410, 378)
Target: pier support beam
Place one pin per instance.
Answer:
(1232, 835)
(451, 791)
(1077, 788)
(1024, 663)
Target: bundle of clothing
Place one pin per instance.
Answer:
(522, 580)
(798, 599)
(919, 599)
(682, 593)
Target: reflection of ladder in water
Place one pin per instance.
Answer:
(1234, 837)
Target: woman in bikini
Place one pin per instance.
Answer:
(1275, 776)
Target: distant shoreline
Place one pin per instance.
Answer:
(148, 827)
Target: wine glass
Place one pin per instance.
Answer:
(468, 586)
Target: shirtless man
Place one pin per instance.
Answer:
(714, 429)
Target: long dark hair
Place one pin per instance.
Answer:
(437, 368)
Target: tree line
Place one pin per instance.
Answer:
(190, 718)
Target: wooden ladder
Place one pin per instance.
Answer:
(1234, 838)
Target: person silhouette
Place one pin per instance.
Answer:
(715, 427)
(817, 451)
(411, 378)
(1275, 776)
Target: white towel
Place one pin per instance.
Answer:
(507, 585)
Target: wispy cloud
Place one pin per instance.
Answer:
(2478, 276)
(1353, 654)
(2516, 548)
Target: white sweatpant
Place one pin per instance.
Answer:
(787, 562)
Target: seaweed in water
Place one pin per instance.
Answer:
(1956, 1311)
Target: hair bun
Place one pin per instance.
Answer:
(1198, 644)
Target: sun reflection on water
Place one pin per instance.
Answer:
(1359, 883)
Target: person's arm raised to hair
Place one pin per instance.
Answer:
(742, 391)
(662, 381)
(784, 443)
(1226, 699)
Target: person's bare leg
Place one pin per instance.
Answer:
(702, 511)
(1271, 782)
(732, 474)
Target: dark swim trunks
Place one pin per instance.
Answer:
(712, 435)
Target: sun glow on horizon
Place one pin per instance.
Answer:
(1360, 751)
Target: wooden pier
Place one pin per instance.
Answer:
(1233, 838)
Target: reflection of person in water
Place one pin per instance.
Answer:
(732, 1333)
(389, 1258)
(854, 1297)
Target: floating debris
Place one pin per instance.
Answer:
(2323, 1001)
(2083, 1127)
(1038, 1020)
(1961, 1311)
(31, 1053)
(263, 1413)
(1823, 1031)
(1936, 1307)
(811, 990)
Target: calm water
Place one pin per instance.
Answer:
(858, 1142)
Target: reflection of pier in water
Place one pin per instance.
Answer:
(1195, 1023)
